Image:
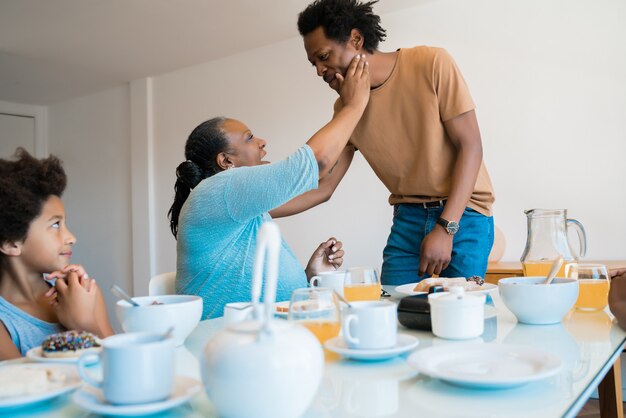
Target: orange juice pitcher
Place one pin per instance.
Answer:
(547, 240)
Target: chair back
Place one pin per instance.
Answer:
(162, 284)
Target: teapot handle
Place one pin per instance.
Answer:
(268, 240)
(582, 236)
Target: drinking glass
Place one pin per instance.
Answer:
(593, 285)
(361, 283)
(317, 309)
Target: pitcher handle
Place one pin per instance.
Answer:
(268, 240)
(582, 236)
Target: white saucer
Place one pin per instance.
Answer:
(92, 399)
(407, 289)
(404, 344)
(70, 382)
(486, 366)
(36, 354)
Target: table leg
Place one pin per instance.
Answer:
(610, 392)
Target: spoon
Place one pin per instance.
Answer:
(555, 268)
(342, 299)
(120, 293)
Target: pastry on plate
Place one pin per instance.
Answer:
(469, 284)
(27, 380)
(68, 344)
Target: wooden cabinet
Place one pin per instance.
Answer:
(502, 269)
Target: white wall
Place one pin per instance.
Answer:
(91, 136)
(547, 78)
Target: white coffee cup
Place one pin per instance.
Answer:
(136, 368)
(330, 279)
(370, 325)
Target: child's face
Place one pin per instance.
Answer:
(48, 243)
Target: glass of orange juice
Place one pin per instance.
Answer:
(361, 283)
(317, 309)
(593, 285)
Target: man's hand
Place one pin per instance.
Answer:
(435, 252)
(328, 256)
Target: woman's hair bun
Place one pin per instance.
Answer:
(189, 173)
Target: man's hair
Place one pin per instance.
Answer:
(25, 184)
(339, 17)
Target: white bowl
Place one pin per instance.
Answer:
(533, 302)
(183, 312)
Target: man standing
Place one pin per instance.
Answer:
(420, 135)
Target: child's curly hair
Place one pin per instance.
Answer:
(25, 184)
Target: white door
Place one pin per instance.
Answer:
(16, 131)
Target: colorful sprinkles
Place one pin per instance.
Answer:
(476, 279)
(69, 341)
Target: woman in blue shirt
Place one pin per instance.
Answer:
(225, 191)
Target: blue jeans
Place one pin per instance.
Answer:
(412, 222)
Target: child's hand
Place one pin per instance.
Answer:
(75, 302)
(100, 324)
(76, 268)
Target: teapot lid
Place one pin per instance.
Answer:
(458, 297)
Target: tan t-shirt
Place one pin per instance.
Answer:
(402, 136)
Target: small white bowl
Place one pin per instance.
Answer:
(535, 303)
(183, 312)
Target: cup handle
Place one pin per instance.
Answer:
(315, 281)
(84, 374)
(346, 329)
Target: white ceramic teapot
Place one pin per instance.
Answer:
(264, 367)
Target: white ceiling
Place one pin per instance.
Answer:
(54, 50)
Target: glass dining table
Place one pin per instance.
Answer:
(587, 343)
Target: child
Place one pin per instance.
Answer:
(35, 241)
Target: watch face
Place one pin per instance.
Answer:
(453, 227)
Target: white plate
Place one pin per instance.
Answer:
(486, 366)
(92, 399)
(54, 389)
(36, 354)
(284, 304)
(404, 344)
(407, 289)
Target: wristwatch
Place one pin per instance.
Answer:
(451, 227)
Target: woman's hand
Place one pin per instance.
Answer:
(354, 89)
(328, 256)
